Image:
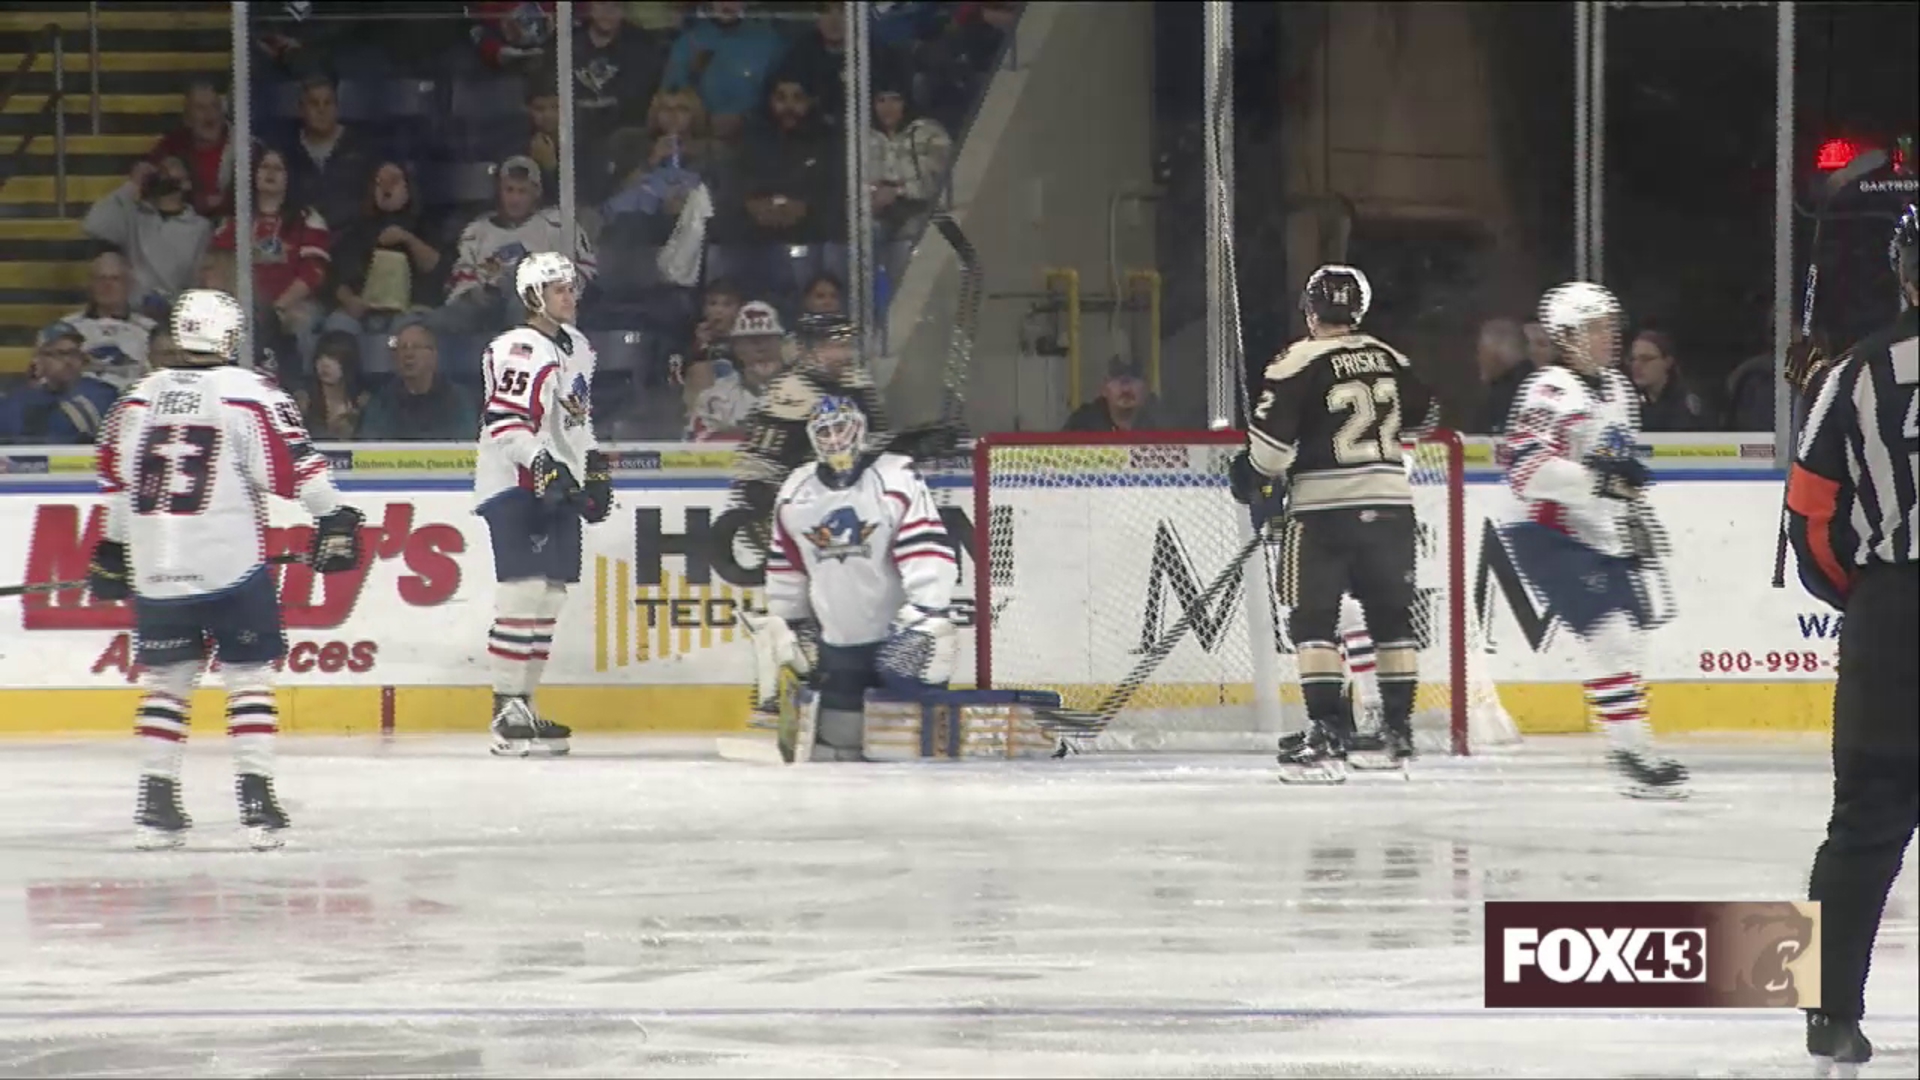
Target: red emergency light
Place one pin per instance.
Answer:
(1836, 153)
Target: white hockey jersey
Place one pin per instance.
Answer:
(539, 397)
(116, 348)
(490, 247)
(853, 557)
(184, 460)
(1560, 419)
(721, 410)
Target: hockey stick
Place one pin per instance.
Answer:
(1082, 722)
(966, 319)
(1861, 165)
(38, 587)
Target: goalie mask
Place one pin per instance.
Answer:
(1583, 320)
(1336, 295)
(206, 326)
(838, 431)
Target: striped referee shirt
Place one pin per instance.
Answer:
(1850, 491)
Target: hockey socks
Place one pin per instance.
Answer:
(517, 649)
(253, 720)
(1361, 665)
(1619, 704)
(161, 725)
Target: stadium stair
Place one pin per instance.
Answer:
(147, 54)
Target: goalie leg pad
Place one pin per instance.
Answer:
(776, 646)
(1000, 724)
(846, 674)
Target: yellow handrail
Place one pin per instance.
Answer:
(1071, 280)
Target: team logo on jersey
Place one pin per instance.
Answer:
(842, 535)
(575, 403)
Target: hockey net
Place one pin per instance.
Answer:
(1092, 546)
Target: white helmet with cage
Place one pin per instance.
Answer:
(535, 273)
(1583, 320)
(206, 326)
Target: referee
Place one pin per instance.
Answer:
(1850, 497)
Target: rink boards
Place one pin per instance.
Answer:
(651, 640)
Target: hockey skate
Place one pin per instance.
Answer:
(1837, 1046)
(518, 731)
(1316, 757)
(1648, 777)
(161, 822)
(260, 812)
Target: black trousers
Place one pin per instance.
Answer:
(1876, 777)
(1369, 553)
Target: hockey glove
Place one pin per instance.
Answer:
(1806, 367)
(553, 482)
(1265, 497)
(107, 575)
(598, 489)
(336, 541)
(1619, 477)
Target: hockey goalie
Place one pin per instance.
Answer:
(859, 592)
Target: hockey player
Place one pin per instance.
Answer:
(183, 463)
(1327, 430)
(861, 561)
(1584, 539)
(776, 441)
(539, 474)
(760, 354)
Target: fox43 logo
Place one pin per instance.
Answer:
(1651, 955)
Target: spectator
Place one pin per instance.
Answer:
(1665, 402)
(824, 295)
(420, 403)
(712, 352)
(818, 61)
(1750, 391)
(161, 351)
(333, 401)
(661, 18)
(726, 57)
(151, 220)
(329, 162)
(512, 33)
(114, 336)
(543, 113)
(1123, 404)
(676, 157)
(759, 354)
(382, 267)
(480, 294)
(787, 188)
(202, 142)
(290, 259)
(965, 54)
(911, 156)
(61, 404)
(615, 69)
(1503, 367)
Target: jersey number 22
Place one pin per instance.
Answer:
(1371, 431)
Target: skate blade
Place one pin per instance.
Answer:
(552, 747)
(151, 839)
(511, 747)
(1371, 761)
(1324, 774)
(261, 838)
(1652, 793)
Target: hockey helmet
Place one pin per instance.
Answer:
(535, 273)
(828, 343)
(818, 326)
(1903, 249)
(838, 431)
(206, 324)
(1337, 295)
(1583, 321)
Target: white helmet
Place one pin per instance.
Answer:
(206, 322)
(535, 273)
(757, 319)
(1569, 313)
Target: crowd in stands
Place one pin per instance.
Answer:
(404, 159)
(1508, 352)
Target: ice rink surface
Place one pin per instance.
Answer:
(645, 908)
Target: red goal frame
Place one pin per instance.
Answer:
(1456, 539)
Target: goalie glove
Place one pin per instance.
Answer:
(553, 482)
(598, 490)
(918, 655)
(1619, 477)
(336, 542)
(779, 646)
(107, 577)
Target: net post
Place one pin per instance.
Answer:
(1460, 692)
(982, 564)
